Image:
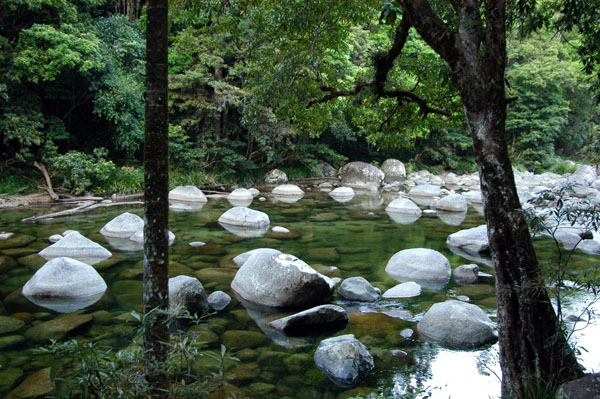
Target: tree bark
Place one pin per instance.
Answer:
(534, 353)
(156, 207)
(42, 168)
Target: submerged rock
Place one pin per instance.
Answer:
(280, 280)
(218, 300)
(36, 385)
(424, 266)
(457, 324)
(57, 328)
(344, 360)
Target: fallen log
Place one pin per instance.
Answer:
(85, 207)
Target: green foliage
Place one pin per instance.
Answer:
(187, 177)
(17, 181)
(562, 167)
(81, 172)
(119, 89)
(553, 111)
(93, 370)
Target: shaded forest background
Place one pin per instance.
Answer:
(241, 75)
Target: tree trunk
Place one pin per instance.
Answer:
(534, 353)
(156, 207)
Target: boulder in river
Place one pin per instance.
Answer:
(281, 280)
(344, 360)
(457, 324)
(424, 266)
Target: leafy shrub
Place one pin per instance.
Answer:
(561, 167)
(81, 172)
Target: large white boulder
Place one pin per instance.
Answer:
(187, 194)
(457, 324)
(240, 197)
(344, 360)
(288, 190)
(403, 206)
(244, 256)
(123, 226)
(425, 190)
(361, 175)
(424, 266)
(281, 280)
(243, 217)
(65, 285)
(342, 194)
(409, 289)
(76, 246)
(472, 241)
(394, 171)
(452, 203)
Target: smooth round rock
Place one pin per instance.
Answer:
(427, 267)
(472, 241)
(344, 360)
(457, 324)
(187, 194)
(361, 175)
(409, 289)
(452, 203)
(358, 289)
(281, 280)
(76, 246)
(218, 300)
(245, 218)
(403, 206)
(123, 226)
(187, 293)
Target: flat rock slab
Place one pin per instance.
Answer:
(57, 328)
(36, 385)
(317, 316)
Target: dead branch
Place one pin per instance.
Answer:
(85, 207)
(42, 168)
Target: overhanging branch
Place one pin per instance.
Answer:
(383, 63)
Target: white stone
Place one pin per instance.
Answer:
(424, 266)
(76, 246)
(187, 194)
(403, 206)
(55, 238)
(123, 226)
(409, 289)
(452, 203)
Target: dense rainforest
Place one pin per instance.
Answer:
(246, 93)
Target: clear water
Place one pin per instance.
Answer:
(357, 237)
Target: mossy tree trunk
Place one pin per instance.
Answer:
(533, 350)
(156, 190)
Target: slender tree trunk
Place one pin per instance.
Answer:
(534, 353)
(156, 207)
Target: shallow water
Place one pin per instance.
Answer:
(358, 237)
